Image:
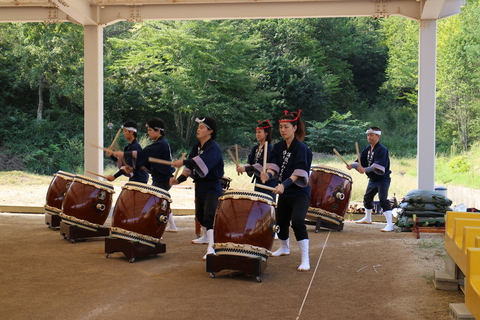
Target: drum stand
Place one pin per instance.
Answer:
(132, 249)
(249, 266)
(74, 232)
(318, 224)
(52, 220)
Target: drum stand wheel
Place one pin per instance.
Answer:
(52, 221)
(75, 233)
(249, 266)
(132, 249)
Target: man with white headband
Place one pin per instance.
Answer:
(375, 163)
(130, 133)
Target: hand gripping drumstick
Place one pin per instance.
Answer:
(161, 161)
(338, 154)
(178, 169)
(96, 174)
(265, 148)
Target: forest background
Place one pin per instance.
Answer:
(344, 73)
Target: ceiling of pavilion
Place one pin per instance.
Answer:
(105, 12)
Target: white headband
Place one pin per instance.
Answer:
(130, 128)
(202, 121)
(374, 131)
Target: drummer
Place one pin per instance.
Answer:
(205, 165)
(254, 165)
(290, 161)
(375, 163)
(159, 149)
(130, 129)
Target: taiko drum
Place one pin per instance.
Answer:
(330, 194)
(141, 213)
(56, 192)
(87, 202)
(244, 224)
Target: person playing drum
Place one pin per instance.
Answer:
(205, 165)
(254, 164)
(290, 161)
(130, 133)
(375, 163)
(159, 149)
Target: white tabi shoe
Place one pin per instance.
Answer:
(284, 249)
(390, 227)
(304, 248)
(210, 249)
(203, 239)
(171, 227)
(367, 219)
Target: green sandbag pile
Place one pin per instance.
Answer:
(429, 206)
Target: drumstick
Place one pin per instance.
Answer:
(231, 157)
(264, 187)
(178, 169)
(338, 154)
(161, 161)
(236, 154)
(358, 153)
(96, 174)
(265, 148)
(114, 140)
(100, 147)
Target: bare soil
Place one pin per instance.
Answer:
(358, 273)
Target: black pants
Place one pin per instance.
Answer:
(292, 210)
(382, 190)
(205, 208)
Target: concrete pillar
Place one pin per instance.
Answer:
(93, 123)
(427, 59)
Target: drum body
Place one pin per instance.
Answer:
(87, 202)
(244, 224)
(56, 192)
(330, 195)
(141, 213)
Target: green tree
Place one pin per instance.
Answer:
(458, 78)
(51, 61)
(337, 132)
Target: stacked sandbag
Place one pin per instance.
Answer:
(429, 206)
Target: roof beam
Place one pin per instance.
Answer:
(258, 10)
(33, 14)
(439, 9)
(78, 10)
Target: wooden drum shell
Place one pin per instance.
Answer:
(141, 212)
(244, 218)
(88, 199)
(331, 190)
(56, 192)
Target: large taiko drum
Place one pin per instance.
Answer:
(56, 192)
(87, 203)
(141, 213)
(330, 194)
(244, 224)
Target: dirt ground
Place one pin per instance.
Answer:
(358, 273)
